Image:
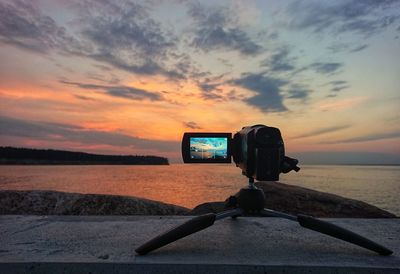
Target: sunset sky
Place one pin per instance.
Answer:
(131, 77)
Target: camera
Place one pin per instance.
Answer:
(260, 153)
(257, 150)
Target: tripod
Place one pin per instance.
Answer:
(250, 202)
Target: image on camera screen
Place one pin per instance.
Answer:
(208, 147)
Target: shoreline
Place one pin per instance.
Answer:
(82, 164)
(21, 156)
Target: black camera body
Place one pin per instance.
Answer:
(258, 150)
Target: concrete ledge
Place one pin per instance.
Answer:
(98, 244)
(107, 268)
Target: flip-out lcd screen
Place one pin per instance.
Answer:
(208, 148)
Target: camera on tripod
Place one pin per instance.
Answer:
(258, 150)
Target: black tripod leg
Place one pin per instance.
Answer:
(192, 226)
(331, 230)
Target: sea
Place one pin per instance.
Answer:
(189, 185)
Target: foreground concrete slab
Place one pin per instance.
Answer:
(105, 244)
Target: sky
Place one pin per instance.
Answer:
(127, 77)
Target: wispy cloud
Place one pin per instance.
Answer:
(216, 28)
(120, 34)
(326, 68)
(366, 138)
(207, 86)
(337, 105)
(279, 61)
(23, 25)
(124, 35)
(192, 125)
(86, 98)
(359, 48)
(348, 47)
(321, 131)
(298, 93)
(361, 17)
(337, 86)
(119, 91)
(338, 82)
(211, 89)
(347, 157)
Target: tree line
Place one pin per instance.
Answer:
(13, 155)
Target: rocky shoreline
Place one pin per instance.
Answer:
(286, 198)
(63, 203)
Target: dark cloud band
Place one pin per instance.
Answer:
(268, 96)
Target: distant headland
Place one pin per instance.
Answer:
(28, 156)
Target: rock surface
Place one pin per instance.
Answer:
(282, 197)
(61, 203)
(298, 200)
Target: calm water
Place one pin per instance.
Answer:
(190, 185)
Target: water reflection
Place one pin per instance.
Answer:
(189, 185)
